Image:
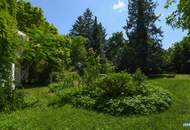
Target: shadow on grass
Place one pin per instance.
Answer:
(157, 76)
(30, 86)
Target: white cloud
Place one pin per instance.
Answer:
(119, 5)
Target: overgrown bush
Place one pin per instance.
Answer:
(68, 77)
(64, 80)
(114, 85)
(117, 94)
(10, 100)
(156, 101)
(95, 66)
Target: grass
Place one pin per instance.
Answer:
(42, 117)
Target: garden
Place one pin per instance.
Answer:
(87, 80)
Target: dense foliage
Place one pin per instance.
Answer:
(116, 94)
(9, 99)
(45, 54)
(88, 27)
(40, 59)
(115, 49)
(180, 17)
(179, 53)
(180, 56)
(7, 39)
(82, 63)
(144, 36)
(78, 53)
(29, 16)
(142, 50)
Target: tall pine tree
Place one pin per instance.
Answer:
(88, 26)
(83, 26)
(98, 37)
(144, 36)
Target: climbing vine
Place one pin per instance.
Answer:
(8, 42)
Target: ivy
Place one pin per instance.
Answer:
(8, 40)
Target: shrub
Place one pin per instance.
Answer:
(74, 96)
(66, 80)
(139, 77)
(118, 94)
(94, 66)
(139, 104)
(84, 102)
(56, 87)
(66, 76)
(114, 85)
(10, 100)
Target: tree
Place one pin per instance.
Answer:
(88, 27)
(78, 53)
(92, 67)
(180, 56)
(83, 25)
(155, 62)
(115, 48)
(98, 37)
(180, 52)
(143, 35)
(29, 16)
(46, 53)
(180, 17)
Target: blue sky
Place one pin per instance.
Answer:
(111, 13)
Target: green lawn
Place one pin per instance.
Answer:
(42, 117)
